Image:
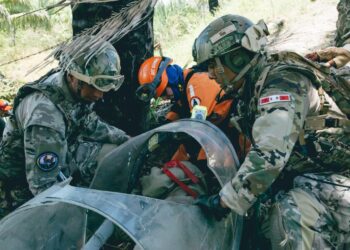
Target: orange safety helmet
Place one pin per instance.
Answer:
(152, 77)
(5, 106)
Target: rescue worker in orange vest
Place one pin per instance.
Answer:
(186, 89)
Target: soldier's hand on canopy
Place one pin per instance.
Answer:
(126, 138)
(332, 56)
(121, 138)
(211, 206)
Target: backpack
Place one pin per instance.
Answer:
(335, 82)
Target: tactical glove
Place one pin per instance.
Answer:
(211, 206)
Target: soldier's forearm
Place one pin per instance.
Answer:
(99, 131)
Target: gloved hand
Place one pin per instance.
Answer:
(332, 56)
(211, 206)
(123, 139)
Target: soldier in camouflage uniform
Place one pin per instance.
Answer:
(53, 132)
(300, 155)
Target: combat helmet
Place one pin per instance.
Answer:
(100, 69)
(231, 40)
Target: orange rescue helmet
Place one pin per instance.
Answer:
(5, 106)
(152, 77)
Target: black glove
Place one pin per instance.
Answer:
(210, 205)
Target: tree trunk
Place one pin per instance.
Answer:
(213, 5)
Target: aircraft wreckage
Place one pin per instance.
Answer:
(58, 217)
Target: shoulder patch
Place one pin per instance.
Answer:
(47, 161)
(275, 98)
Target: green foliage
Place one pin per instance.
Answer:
(21, 14)
(35, 20)
(30, 40)
(17, 6)
(175, 25)
(157, 112)
(174, 20)
(8, 89)
(5, 20)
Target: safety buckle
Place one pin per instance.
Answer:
(319, 123)
(315, 123)
(331, 123)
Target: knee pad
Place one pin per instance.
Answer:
(295, 220)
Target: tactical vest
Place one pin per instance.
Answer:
(323, 150)
(72, 111)
(12, 157)
(336, 86)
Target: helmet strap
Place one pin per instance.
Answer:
(245, 70)
(228, 85)
(221, 71)
(236, 59)
(77, 92)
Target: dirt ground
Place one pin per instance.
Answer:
(308, 32)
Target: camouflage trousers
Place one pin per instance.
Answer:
(315, 214)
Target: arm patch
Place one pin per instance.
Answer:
(47, 161)
(274, 98)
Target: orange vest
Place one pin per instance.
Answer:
(203, 91)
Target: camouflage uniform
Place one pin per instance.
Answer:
(300, 157)
(49, 132)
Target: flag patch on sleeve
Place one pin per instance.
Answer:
(274, 98)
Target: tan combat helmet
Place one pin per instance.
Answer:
(231, 40)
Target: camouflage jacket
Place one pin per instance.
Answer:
(279, 96)
(44, 130)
